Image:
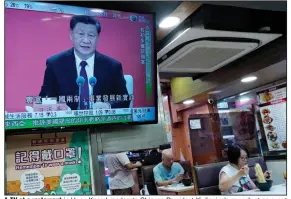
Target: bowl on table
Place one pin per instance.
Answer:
(266, 186)
(186, 182)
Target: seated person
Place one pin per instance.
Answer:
(155, 156)
(168, 172)
(234, 177)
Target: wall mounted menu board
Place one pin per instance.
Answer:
(272, 103)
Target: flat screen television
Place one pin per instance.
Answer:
(69, 66)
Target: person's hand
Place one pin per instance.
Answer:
(138, 163)
(101, 105)
(244, 170)
(179, 177)
(268, 174)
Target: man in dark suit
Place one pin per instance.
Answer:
(63, 69)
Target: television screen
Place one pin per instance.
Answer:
(72, 66)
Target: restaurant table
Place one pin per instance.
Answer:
(178, 189)
(280, 189)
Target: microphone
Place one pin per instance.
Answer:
(80, 82)
(92, 82)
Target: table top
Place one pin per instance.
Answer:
(280, 189)
(176, 188)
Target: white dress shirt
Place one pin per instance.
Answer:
(90, 73)
(89, 68)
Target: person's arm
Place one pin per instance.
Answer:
(181, 171)
(252, 183)
(226, 182)
(159, 180)
(178, 178)
(49, 82)
(133, 166)
(123, 159)
(164, 183)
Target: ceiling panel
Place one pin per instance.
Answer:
(265, 76)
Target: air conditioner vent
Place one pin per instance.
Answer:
(205, 56)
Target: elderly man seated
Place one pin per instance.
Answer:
(168, 172)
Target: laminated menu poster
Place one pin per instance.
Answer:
(51, 164)
(272, 103)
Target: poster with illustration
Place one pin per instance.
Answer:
(272, 103)
(48, 164)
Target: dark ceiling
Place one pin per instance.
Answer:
(165, 8)
(262, 5)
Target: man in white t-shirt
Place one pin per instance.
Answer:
(119, 167)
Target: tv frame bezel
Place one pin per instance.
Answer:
(59, 129)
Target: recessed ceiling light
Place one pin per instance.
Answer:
(214, 92)
(245, 99)
(189, 101)
(169, 22)
(249, 79)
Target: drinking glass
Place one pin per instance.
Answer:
(285, 177)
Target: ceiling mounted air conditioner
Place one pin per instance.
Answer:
(198, 50)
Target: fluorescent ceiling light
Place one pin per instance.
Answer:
(245, 99)
(249, 79)
(169, 22)
(189, 101)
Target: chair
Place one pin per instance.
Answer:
(187, 167)
(149, 180)
(206, 177)
(129, 86)
(252, 162)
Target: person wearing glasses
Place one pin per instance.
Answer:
(234, 177)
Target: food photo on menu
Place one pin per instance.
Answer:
(272, 103)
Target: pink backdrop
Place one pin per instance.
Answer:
(29, 41)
